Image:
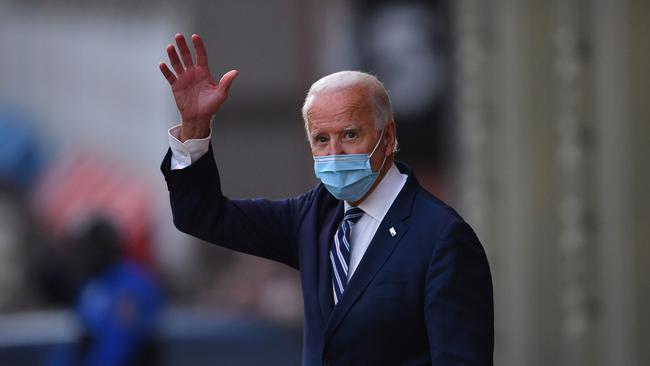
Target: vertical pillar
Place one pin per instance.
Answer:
(613, 179)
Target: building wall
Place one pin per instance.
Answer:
(551, 170)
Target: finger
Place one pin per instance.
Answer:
(201, 54)
(227, 79)
(186, 55)
(167, 73)
(175, 61)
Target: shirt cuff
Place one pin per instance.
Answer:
(185, 153)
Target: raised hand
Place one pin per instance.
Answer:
(197, 95)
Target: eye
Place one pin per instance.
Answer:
(350, 134)
(321, 139)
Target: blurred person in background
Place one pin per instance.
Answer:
(390, 274)
(117, 301)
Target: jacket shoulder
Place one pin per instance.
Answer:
(436, 214)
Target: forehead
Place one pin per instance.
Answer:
(335, 109)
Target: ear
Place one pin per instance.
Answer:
(390, 137)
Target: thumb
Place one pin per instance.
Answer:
(226, 80)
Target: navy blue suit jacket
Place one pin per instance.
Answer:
(420, 297)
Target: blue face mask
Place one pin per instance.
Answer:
(347, 177)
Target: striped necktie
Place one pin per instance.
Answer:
(340, 252)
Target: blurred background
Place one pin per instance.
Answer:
(530, 117)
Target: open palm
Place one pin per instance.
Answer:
(197, 95)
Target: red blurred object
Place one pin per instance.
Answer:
(84, 185)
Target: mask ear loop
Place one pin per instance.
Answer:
(373, 151)
(377, 144)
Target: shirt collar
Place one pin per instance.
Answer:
(379, 201)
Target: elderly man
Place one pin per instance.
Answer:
(390, 274)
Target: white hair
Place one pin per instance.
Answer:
(381, 108)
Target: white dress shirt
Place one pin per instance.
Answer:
(186, 153)
(375, 206)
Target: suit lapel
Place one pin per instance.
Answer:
(325, 239)
(380, 249)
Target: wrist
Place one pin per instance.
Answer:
(194, 130)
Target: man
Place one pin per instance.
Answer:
(390, 274)
(117, 301)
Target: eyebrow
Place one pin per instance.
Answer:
(353, 126)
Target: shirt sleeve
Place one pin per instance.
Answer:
(186, 153)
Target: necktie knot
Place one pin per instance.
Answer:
(353, 215)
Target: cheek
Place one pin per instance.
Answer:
(379, 156)
(318, 150)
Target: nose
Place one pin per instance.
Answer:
(335, 147)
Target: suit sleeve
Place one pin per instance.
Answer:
(458, 300)
(259, 227)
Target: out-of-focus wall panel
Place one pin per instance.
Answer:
(614, 186)
(552, 171)
(638, 102)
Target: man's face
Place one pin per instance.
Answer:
(341, 122)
